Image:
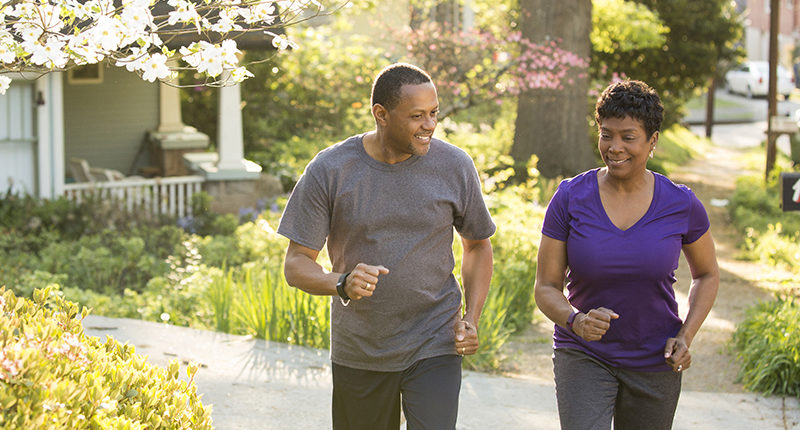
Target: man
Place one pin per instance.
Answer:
(386, 201)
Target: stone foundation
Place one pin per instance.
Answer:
(231, 196)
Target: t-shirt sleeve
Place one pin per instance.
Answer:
(556, 218)
(474, 221)
(698, 219)
(306, 219)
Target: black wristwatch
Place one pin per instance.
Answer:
(340, 289)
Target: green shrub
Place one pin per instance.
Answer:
(107, 263)
(252, 241)
(53, 376)
(767, 345)
(772, 247)
(756, 204)
(769, 235)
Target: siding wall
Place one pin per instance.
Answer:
(106, 123)
(17, 139)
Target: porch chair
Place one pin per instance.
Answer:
(83, 172)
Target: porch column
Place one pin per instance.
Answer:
(169, 104)
(172, 139)
(50, 134)
(231, 164)
(228, 164)
(230, 143)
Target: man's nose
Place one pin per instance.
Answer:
(430, 123)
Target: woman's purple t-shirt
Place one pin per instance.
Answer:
(630, 272)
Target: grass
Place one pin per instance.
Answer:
(699, 102)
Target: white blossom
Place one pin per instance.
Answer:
(184, 12)
(261, 12)
(42, 35)
(210, 60)
(135, 61)
(5, 82)
(106, 34)
(282, 43)
(225, 23)
(50, 54)
(7, 53)
(229, 51)
(239, 74)
(155, 67)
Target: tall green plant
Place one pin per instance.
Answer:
(767, 345)
(220, 295)
(263, 305)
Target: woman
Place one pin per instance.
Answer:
(615, 233)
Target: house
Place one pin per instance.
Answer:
(756, 14)
(113, 119)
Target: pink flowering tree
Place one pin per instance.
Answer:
(40, 36)
(476, 66)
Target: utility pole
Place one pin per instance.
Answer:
(772, 106)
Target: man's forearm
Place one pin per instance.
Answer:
(476, 275)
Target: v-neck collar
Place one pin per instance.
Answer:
(635, 225)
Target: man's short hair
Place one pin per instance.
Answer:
(390, 80)
(631, 98)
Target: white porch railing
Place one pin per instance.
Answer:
(165, 196)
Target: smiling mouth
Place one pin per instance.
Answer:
(424, 139)
(610, 161)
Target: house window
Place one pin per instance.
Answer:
(451, 14)
(86, 74)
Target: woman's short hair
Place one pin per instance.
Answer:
(631, 98)
(387, 85)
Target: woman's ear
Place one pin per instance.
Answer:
(654, 140)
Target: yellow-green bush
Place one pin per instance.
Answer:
(53, 376)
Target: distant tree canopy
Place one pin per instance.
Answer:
(699, 36)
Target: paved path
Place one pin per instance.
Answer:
(254, 384)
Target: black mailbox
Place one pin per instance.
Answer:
(790, 191)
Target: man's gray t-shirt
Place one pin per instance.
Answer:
(400, 216)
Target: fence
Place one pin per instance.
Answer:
(170, 196)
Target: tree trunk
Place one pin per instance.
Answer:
(553, 123)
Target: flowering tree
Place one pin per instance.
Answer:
(476, 66)
(39, 36)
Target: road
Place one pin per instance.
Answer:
(743, 134)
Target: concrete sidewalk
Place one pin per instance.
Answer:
(255, 384)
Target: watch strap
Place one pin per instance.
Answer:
(571, 319)
(340, 289)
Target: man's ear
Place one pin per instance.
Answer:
(379, 113)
